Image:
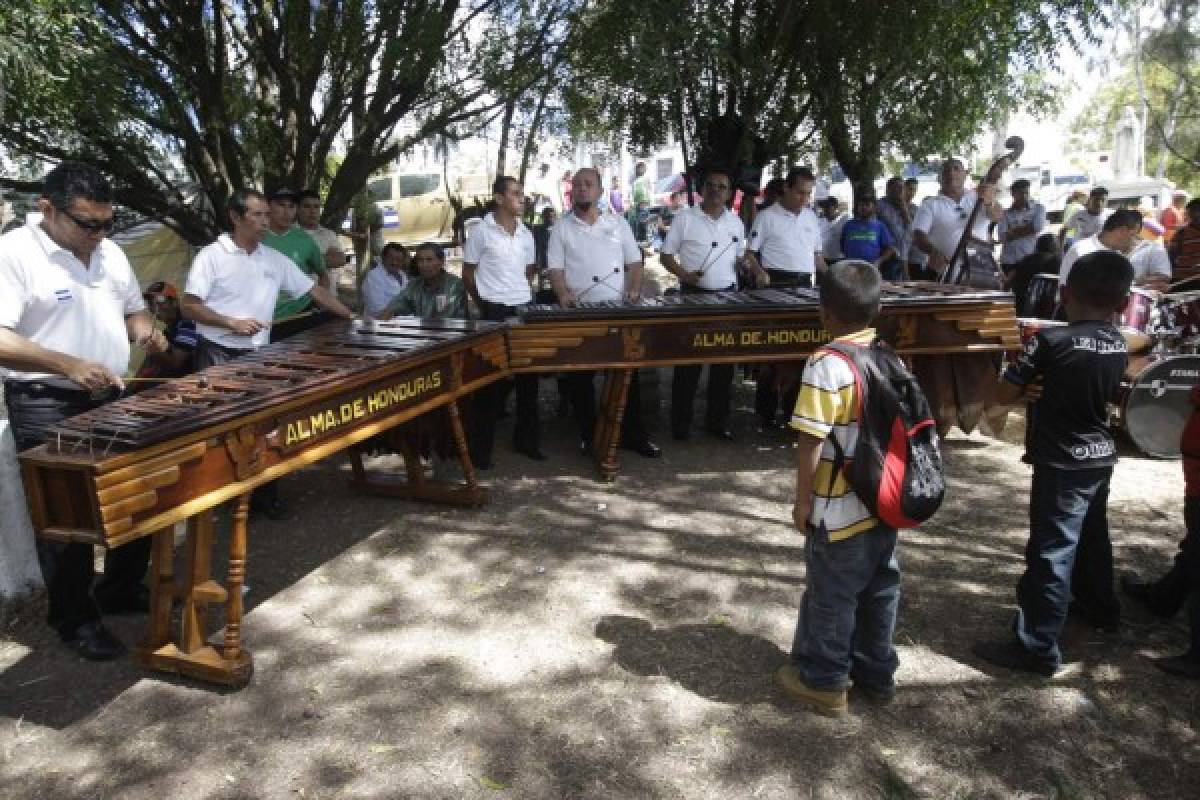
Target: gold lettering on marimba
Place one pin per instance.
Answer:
(759, 338)
(324, 421)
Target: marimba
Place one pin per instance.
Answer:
(138, 465)
(950, 334)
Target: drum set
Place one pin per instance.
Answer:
(1163, 334)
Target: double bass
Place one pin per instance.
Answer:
(973, 262)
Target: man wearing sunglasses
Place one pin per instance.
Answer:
(941, 219)
(69, 308)
(704, 246)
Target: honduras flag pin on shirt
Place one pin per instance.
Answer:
(62, 295)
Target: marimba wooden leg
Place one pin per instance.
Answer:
(162, 588)
(235, 580)
(609, 417)
(190, 655)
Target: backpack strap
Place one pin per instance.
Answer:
(849, 354)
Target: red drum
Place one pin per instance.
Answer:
(1156, 403)
(1141, 314)
(1040, 297)
(1181, 314)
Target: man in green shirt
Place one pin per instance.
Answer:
(641, 196)
(295, 243)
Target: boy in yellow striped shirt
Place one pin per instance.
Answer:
(848, 612)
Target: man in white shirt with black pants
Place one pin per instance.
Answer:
(499, 261)
(230, 294)
(70, 306)
(786, 245)
(592, 257)
(703, 247)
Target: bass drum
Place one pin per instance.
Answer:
(1157, 403)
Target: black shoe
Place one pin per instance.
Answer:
(1106, 622)
(532, 451)
(645, 448)
(1011, 655)
(1184, 666)
(1143, 592)
(720, 432)
(92, 641)
(134, 602)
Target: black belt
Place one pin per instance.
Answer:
(40, 389)
(232, 352)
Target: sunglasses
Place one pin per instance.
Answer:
(91, 225)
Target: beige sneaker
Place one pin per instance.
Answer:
(825, 703)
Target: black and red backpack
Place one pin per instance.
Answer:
(896, 467)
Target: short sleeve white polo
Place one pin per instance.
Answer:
(943, 219)
(593, 256)
(501, 260)
(1150, 258)
(1091, 244)
(379, 288)
(787, 240)
(242, 285)
(51, 298)
(1084, 223)
(709, 246)
(1035, 217)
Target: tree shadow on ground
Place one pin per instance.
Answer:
(578, 639)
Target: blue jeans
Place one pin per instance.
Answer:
(1069, 556)
(848, 612)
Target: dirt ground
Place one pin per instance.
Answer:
(576, 639)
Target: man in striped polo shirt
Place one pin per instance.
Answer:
(848, 613)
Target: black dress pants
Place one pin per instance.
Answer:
(766, 394)
(581, 391)
(67, 567)
(485, 409)
(686, 378)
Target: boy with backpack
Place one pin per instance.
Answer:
(1068, 559)
(856, 395)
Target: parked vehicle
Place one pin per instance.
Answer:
(420, 207)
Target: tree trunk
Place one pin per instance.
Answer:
(505, 132)
(535, 125)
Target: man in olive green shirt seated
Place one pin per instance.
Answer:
(294, 242)
(435, 293)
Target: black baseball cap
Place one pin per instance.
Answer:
(283, 193)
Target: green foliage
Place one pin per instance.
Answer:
(1168, 80)
(242, 94)
(753, 80)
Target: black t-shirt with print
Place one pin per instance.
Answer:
(1080, 366)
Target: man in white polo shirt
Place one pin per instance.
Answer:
(592, 257)
(1119, 233)
(499, 261)
(69, 307)
(231, 292)
(785, 241)
(942, 218)
(703, 247)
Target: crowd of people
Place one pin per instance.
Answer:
(70, 307)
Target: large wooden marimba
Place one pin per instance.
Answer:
(950, 334)
(138, 465)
